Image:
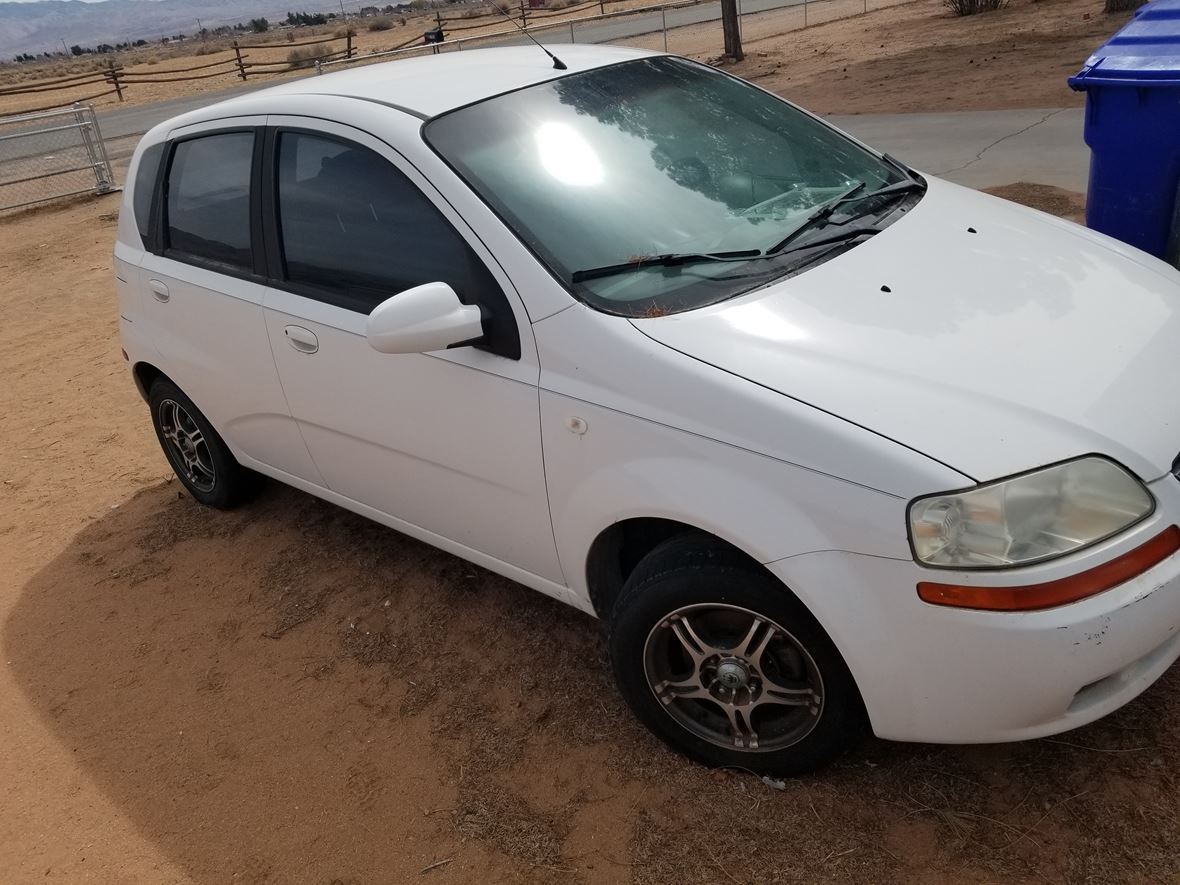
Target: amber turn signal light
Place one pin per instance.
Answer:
(1030, 597)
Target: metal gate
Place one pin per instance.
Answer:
(52, 154)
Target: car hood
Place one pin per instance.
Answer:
(988, 336)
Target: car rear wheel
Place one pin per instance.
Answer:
(724, 664)
(199, 456)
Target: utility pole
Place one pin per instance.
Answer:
(63, 48)
(732, 30)
(342, 8)
(199, 28)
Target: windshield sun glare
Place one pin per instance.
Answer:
(660, 185)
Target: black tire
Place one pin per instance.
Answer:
(210, 473)
(696, 580)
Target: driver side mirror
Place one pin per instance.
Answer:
(423, 319)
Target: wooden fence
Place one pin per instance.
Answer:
(116, 78)
(337, 49)
(524, 15)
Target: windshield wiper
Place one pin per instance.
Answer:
(817, 216)
(828, 209)
(836, 236)
(671, 259)
(898, 187)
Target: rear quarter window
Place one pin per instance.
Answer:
(145, 190)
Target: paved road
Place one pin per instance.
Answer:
(979, 149)
(983, 148)
(647, 23)
(135, 120)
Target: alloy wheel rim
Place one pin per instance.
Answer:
(187, 446)
(733, 677)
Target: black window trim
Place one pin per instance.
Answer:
(159, 227)
(276, 272)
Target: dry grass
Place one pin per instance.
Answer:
(302, 57)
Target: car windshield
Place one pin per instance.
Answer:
(657, 185)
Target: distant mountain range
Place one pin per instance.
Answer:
(41, 27)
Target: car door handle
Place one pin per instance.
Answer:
(159, 291)
(302, 339)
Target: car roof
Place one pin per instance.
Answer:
(433, 84)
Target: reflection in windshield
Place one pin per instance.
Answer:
(652, 157)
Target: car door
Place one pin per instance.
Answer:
(448, 442)
(203, 281)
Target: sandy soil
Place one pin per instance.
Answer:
(901, 56)
(915, 56)
(288, 693)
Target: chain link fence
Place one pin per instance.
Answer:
(52, 154)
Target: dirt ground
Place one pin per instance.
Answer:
(900, 57)
(290, 694)
(916, 56)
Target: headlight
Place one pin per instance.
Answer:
(1029, 518)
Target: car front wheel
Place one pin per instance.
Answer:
(724, 664)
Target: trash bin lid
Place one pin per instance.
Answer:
(1144, 52)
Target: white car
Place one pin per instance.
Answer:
(826, 443)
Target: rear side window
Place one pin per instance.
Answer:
(208, 199)
(355, 228)
(145, 189)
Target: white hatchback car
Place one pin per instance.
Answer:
(826, 443)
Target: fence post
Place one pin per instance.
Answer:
(804, 13)
(238, 58)
(95, 149)
(106, 180)
(729, 28)
(664, 21)
(348, 44)
(601, 7)
(572, 40)
(113, 76)
(524, 16)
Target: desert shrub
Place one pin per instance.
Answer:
(973, 7)
(345, 32)
(1122, 5)
(380, 24)
(303, 56)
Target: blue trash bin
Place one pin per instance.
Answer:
(1132, 86)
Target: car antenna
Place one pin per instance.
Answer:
(558, 64)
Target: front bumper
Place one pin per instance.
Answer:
(944, 675)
